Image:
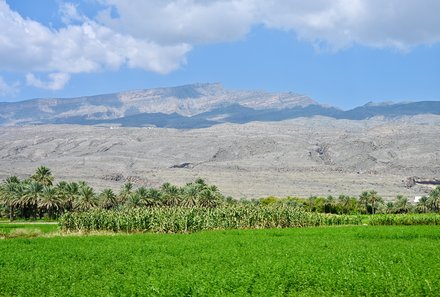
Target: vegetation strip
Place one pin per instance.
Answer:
(38, 197)
(184, 220)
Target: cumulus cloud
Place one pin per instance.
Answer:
(181, 21)
(156, 35)
(69, 13)
(56, 81)
(8, 89)
(400, 24)
(28, 46)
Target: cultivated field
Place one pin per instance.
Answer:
(323, 261)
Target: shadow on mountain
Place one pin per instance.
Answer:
(160, 120)
(240, 115)
(393, 110)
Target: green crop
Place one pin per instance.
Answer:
(184, 220)
(404, 219)
(324, 261)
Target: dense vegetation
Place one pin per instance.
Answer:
(178, 219)
(38, 197)
(350, 261)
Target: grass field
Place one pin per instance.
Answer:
(324, 261)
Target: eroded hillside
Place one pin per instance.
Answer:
(318, 156)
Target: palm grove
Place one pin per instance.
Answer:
(38, 197)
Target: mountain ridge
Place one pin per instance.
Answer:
(192, 106)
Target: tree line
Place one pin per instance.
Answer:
(369, 202)
(38, 197)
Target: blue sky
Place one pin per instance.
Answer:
(343, 52)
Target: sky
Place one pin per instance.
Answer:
(343, 53)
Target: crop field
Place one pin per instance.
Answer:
(26, 229)
(325, 261)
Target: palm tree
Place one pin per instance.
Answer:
(155, 195)
(364, 200)
(344, 201)
(374, 199)
(190, 193)
(208, 198)
(434, 198)
(389, 207)
(200, 182)
(68, 194)
(170, 194)
(86, 199)
(329, 204)
(108, 199)
(125, 193)
(32, 193)
(50, 201)
(402, 204)
(423, 203)
(8, 194)
(134, 200)
(142, 194)
(43, 175)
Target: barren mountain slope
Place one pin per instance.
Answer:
(185, 100)
(318, 156)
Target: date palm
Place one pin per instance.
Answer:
(208, 198)
(155, 195)
(69, 193)
(402, 204)
(423, 203)
(9, 194)
(374, 200)
(191, 196)
(86, 199)
(170, 194)
(434, 198)
(50, 201)
(144, 197)
(389, 207)
(134, 200)
(125, 193)
(364, 200)
(108, 199)
(32, 193)
(345, 202)
(43, 175)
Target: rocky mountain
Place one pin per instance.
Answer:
(191, 106)
(150, 107)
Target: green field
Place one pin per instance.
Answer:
(324, 261)
(26, 229)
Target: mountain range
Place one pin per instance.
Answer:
(191, 106)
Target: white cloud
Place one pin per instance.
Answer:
(69, 13)
(29, 46)
(56, 81)
(156, 35)
(181, 21)
(8, 89)
(400, 24)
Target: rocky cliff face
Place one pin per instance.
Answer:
(192, 106)
(186, 100)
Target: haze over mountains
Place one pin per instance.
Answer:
(191, 106)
